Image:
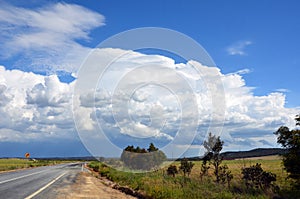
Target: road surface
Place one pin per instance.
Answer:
(36, 182)
(58, 181)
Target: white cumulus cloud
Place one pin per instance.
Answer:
(129, 106)
(135, 99)
(47, 36)
(35, 107)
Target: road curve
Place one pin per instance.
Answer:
(35, 182)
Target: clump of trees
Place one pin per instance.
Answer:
(142, 159)
(256, 178)
(214, 146)
(290, 140)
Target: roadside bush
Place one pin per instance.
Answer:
(94, 166)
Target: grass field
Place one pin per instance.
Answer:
(16, 163)
(159, 185)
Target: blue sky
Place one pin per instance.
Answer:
(254, 45)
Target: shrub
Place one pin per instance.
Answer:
(225, 175)
(204, 167)
(172, 170)
(186, 166)
(255, 177)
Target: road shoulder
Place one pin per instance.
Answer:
(88, 186)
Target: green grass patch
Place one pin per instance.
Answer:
(16, 163)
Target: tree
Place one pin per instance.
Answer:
(213, 147)
(142, 159)
(172, 170)
(152, 148)
(290, 140)
(186, 166)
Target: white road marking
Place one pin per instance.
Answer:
(21, 177)
(44, 187)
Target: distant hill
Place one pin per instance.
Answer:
(253, 153)
(230, 155)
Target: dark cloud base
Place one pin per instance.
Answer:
(62, 148)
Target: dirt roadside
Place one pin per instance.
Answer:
(88, 186)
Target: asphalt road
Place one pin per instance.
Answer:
(37, 182)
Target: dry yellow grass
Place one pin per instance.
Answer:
(270, 157)
(269, 163)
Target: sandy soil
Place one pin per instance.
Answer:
(88, 186)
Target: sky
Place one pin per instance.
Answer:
(70, 87)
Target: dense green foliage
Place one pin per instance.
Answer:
(142, 159)
(290, 139)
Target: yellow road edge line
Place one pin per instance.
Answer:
(44, 187)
